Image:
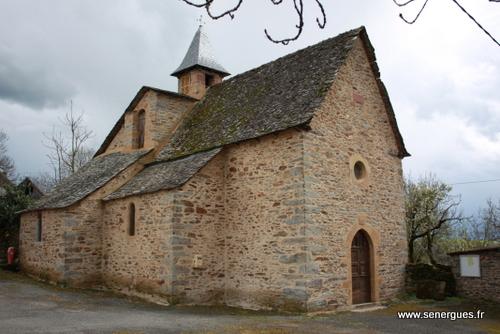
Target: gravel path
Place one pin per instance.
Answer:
(27, 306)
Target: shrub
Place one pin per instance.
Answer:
(424, 272)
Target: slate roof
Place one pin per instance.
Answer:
(164, 175)
(477, 250)
(200, 54)
(88, 179)
(140, 94)
(273, 97)
(31, 188)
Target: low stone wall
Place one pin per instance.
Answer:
(424, 272)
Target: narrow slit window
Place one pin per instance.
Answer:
(39, 228)
(141, 123)
(131, 220)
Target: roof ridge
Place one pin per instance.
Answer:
(262, 100)
(307, 48)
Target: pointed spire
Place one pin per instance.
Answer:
(200, 54)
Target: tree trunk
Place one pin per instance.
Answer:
(429, 249)
(411, 251)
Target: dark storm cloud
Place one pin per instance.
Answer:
(34, 87)
(443, 79)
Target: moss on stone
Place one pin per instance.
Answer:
(270, 98)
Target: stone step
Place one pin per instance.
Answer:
(367, 307)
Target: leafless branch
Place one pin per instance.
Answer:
(298, 6)
(404, 4)
(6, 163)
(407, 3)
(476, 22)
(68, 151)
(208, 3)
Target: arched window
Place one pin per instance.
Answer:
(131, 219)
(39, 227)
(140, 124)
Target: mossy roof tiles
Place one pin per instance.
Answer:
(164, 175)
(273, 97)
(87, 179)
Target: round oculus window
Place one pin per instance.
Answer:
(359, 170)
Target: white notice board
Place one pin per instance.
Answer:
(469, 266)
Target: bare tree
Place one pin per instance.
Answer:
(430, 209)
(45, 181)
(6, 163)
(68, 145)
(481, 230)
(486, 227)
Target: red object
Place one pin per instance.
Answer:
(11, 253)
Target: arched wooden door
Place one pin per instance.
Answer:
(360, 266)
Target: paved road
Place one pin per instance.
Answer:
(31, 307)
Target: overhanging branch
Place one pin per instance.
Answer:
(298, 6)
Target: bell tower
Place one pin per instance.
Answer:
(199, 70)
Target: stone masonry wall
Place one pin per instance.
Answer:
(352, 125)
(64, 250)
(177, 250)
(138, 263)
(197, 239)
(46, 258)
(485, 287)
(265, 258)
(193, 82)
(71, 247)
(166, 114)
(163, 113)
(233, 234)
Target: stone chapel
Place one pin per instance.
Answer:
(278, 188)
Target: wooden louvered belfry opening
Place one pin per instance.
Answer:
(360, 266)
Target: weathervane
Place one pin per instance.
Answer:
(201, 20)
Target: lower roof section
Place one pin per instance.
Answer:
(95, 174)
(164, 175)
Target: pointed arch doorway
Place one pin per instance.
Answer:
(361, 268)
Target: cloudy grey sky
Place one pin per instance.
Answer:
(442, 73)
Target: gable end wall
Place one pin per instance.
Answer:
(163, 113)
(351, 125)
